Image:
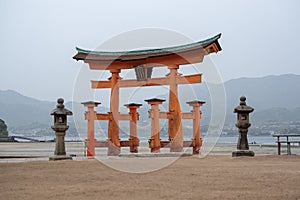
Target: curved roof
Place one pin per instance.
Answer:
(202, 44)
(127, 59)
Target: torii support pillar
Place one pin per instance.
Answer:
(174, 124)
(154, 142)
(134, 116)
(90, 116)
(197, 141)
(113, 123)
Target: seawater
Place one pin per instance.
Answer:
(222, 139)
(251, 139)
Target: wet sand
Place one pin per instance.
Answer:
(212, 177)
(46, 149)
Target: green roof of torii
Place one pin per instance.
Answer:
(199, 44)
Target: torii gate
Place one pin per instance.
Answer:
(143, 61)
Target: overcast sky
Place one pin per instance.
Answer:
(38, 38)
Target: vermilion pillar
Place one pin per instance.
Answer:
(113, 124)
(174, 123)
(134, 116)
(197, 141)
(154, 142)
(90, 116)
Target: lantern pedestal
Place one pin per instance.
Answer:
(60, 149)
(62, 157)
(238, 153)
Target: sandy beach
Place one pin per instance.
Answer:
(212, 177)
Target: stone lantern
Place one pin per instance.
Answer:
(60, 126)
(243, 124)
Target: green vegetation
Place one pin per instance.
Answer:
(3, 128)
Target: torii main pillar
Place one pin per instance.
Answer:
(113, 123)
(174, 125)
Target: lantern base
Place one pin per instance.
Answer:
(60, 157)
(239, 153)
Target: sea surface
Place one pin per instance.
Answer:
(222, 139)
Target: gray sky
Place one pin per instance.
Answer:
(38, 38)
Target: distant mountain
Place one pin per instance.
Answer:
(277, 115)
(19, 110)
(265, 92)
(273, 97)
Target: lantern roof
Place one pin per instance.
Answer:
(60, 108)
(243, 108)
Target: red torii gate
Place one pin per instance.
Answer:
(143, 61)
